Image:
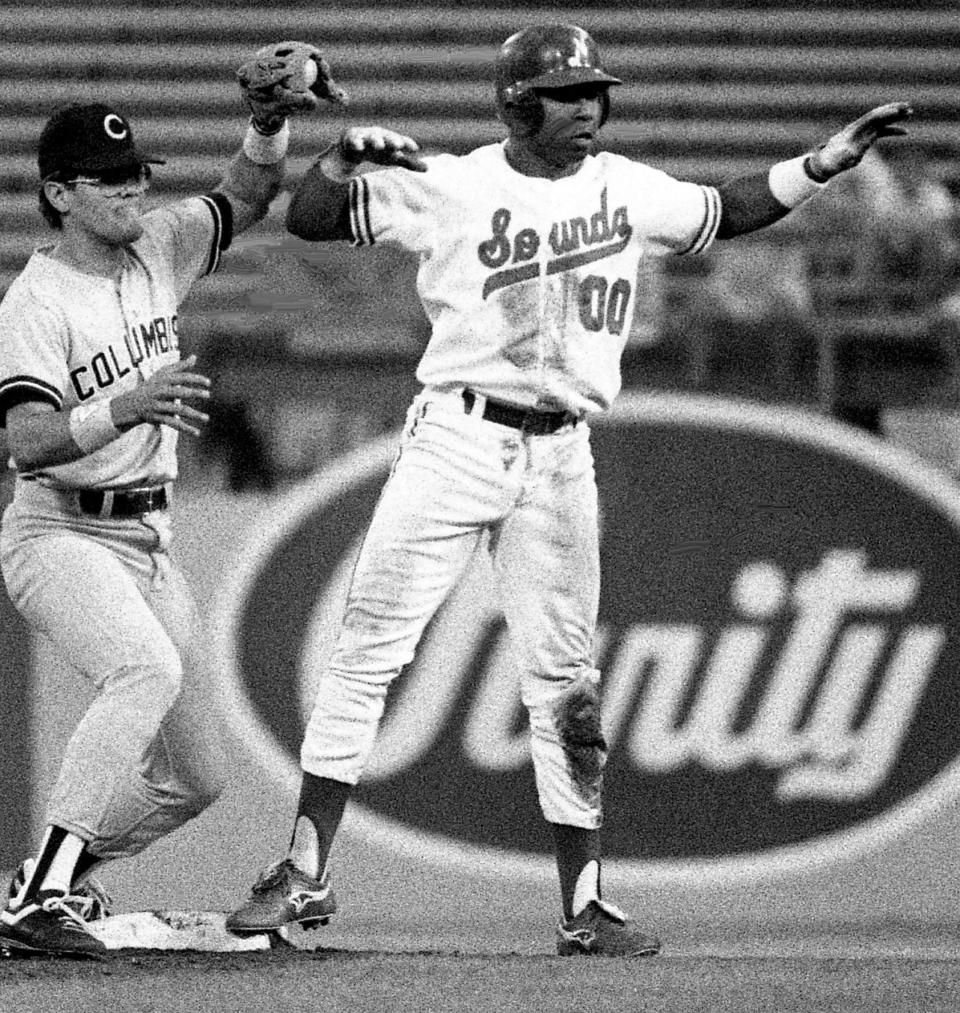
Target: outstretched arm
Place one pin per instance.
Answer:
(320, 207)
(753, 202)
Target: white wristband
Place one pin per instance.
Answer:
(266, 149)
(790, 184)
(91, 425)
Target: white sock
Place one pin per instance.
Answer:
(305, 847)
(587, 888)
(60, 873)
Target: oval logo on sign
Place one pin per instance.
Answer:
(779, 634)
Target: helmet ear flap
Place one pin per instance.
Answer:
(520, 109)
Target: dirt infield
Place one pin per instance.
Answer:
(892, 970)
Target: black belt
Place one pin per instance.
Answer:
(529, 420)
(122, 502)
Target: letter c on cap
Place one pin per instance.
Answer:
(115, 127)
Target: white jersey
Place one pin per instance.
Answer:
(529, 283)
(69, 338)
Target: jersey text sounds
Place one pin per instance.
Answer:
(574, 242)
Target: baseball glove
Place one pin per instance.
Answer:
(284, 78)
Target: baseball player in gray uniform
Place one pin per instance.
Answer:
(94, 395)
(528, 253)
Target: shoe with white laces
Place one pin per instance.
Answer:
(284, 895)
(603, 930)
(88, 898)
(47, 924)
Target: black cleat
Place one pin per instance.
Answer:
(283, 895)
(47, 924)
(602, 930)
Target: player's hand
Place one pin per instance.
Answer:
(380, 146)
(845, 149)
(161, 400)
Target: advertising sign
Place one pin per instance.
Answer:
(779, 636)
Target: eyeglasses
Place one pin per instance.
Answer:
(112, 181)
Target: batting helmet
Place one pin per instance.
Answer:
(545, 56)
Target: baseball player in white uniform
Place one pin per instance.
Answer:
(528, 253)
(94, 394)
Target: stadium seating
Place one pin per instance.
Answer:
(711, 90)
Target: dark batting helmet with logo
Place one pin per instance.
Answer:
(542, 57)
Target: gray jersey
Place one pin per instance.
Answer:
(69, 338)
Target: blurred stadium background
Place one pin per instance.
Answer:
(849, 307)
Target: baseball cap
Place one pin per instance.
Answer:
(90, 138)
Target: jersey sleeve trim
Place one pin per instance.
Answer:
(222, 211)
(360, 212)
(711, 222)
(17, 389)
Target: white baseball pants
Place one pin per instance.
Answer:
(455, 477)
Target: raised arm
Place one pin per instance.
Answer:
(320, 206)
(753, 202)
(278, 81)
